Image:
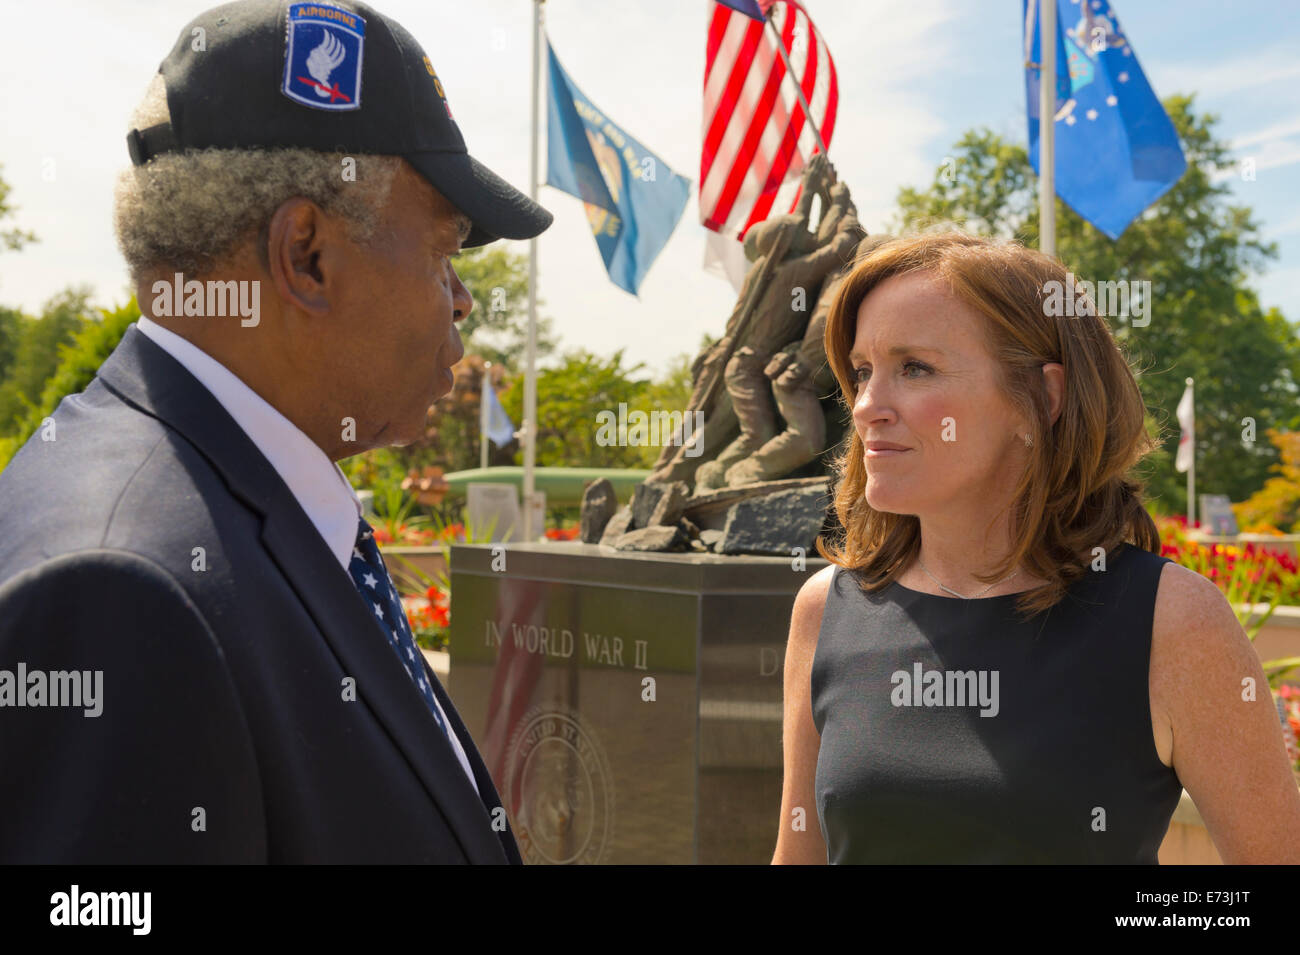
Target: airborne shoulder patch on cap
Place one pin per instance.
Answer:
(322, 56)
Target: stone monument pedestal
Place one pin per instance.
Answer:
(628, 705)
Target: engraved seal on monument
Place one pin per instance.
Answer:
(559, 788)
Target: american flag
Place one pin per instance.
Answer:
(756, 134)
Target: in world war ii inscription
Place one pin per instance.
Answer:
(627, 705)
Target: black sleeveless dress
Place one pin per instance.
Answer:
(956, 731)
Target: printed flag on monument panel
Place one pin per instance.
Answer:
(756, 136)
(1116, 149)
(633, 198)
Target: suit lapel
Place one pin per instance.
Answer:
(348, 626)
(487, 790)
(144, 374)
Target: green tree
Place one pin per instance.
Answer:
(569, 399)
(36, 353)
(1197, 250)
(12, 239)
(11, 329)
(670, 393)
(77, 362)
(1277, 504)
(497, 328)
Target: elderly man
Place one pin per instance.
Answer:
(178, 549)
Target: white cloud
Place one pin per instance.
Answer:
(1272, 155)
(1280, 130)
(1289, 226)
(1246, 70)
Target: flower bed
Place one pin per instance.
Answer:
(426, 596)
(429, 615)
(1252, 573)
(405, 534)
(418, 557)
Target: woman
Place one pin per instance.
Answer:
(998, 666)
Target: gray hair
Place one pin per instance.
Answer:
(188, 211)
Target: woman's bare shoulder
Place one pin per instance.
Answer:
(1192, 625)
(806, 617)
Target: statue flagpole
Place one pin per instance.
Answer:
(798, 89)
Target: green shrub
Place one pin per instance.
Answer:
(79, 360)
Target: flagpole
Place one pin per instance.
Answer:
(530, 361)
(1191, 468)
(483, 415)
(798, 88)
(1047, 126)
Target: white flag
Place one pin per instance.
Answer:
(493, 420)
(1186, 420)
(725, 258)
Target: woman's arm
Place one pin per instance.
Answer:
(1227, 747)
(799, 835)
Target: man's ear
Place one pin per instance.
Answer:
(298, 244)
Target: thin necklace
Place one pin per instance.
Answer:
(963, 596)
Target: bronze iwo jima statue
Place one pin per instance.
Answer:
(771, 420)
(771, 352)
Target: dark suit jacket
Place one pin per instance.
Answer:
(225, 734)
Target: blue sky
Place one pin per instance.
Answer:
(913, 77)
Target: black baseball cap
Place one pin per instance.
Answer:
(335, 77)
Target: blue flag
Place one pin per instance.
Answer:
(749, 8)
(1116, 148)
(633, 199)
(493, 420)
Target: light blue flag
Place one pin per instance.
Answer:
(633, 198)
(1116, 148)
(493, 420)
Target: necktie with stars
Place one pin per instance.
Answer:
(371, 577)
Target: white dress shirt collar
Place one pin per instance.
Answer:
(320, 486)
